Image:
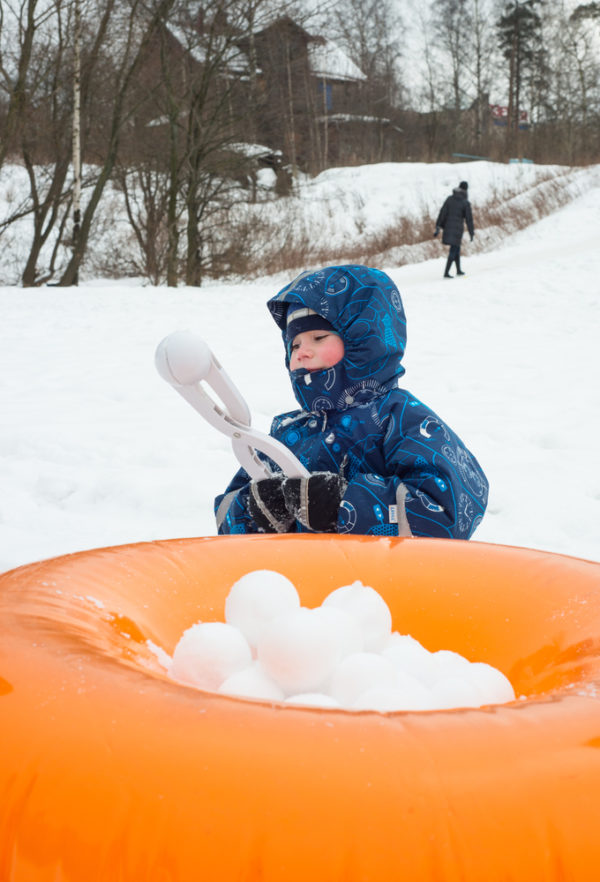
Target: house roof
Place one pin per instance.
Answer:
(194, 43)
(329, 62)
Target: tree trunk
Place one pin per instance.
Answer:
(71, 271)
(77, 133)
(45, 213)
(18, 94)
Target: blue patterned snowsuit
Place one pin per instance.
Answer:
(407, 471)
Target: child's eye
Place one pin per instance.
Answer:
(294, 347)
(320, 337)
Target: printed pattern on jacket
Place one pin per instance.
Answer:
(408, 473)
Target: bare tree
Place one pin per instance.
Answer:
(569, 103)
(76, 125)
(20, 24)
(452, 26)
(482, 67)
(191, 108)
(586, 11)
(132, 28)
(38, 132)
(39, 82)
(370, 31)
(425, 127)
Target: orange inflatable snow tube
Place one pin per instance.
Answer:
(110, 772)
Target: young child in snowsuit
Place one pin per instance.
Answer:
(381, 461)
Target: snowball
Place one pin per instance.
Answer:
(347, 631)
(493, 686)
(207, 653)
(358, 672)
(415, 696)
(299, 650)
(453, 691)
(407, 695)
(449, 663)
(368, 608)
(340, 654)
(410, 657)
(257, 598)
(312, 699)
(252, 682)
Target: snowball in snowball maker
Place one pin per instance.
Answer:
(256, 598)
(207, 653)
(368, 608)
(299, 650)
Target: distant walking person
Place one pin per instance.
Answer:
(454, 213)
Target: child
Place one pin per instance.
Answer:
(381, 462)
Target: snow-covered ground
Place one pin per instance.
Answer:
(96, 449)
(343, 211)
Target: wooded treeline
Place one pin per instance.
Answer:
(182, 107)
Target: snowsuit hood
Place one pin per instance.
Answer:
(365, 308)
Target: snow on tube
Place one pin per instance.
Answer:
(110, 771)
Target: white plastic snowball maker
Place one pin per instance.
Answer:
(185, 361)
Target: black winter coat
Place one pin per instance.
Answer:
(454, 213)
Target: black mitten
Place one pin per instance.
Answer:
(266, 505)
(315, 500)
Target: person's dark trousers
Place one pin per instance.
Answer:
(453, 257)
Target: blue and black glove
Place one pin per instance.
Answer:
(315, 501)
(267, 506)
(437, 232)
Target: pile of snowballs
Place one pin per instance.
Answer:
(341, 654)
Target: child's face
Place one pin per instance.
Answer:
(315, 350)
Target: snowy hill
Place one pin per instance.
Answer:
(98, 450)
(381, 213)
